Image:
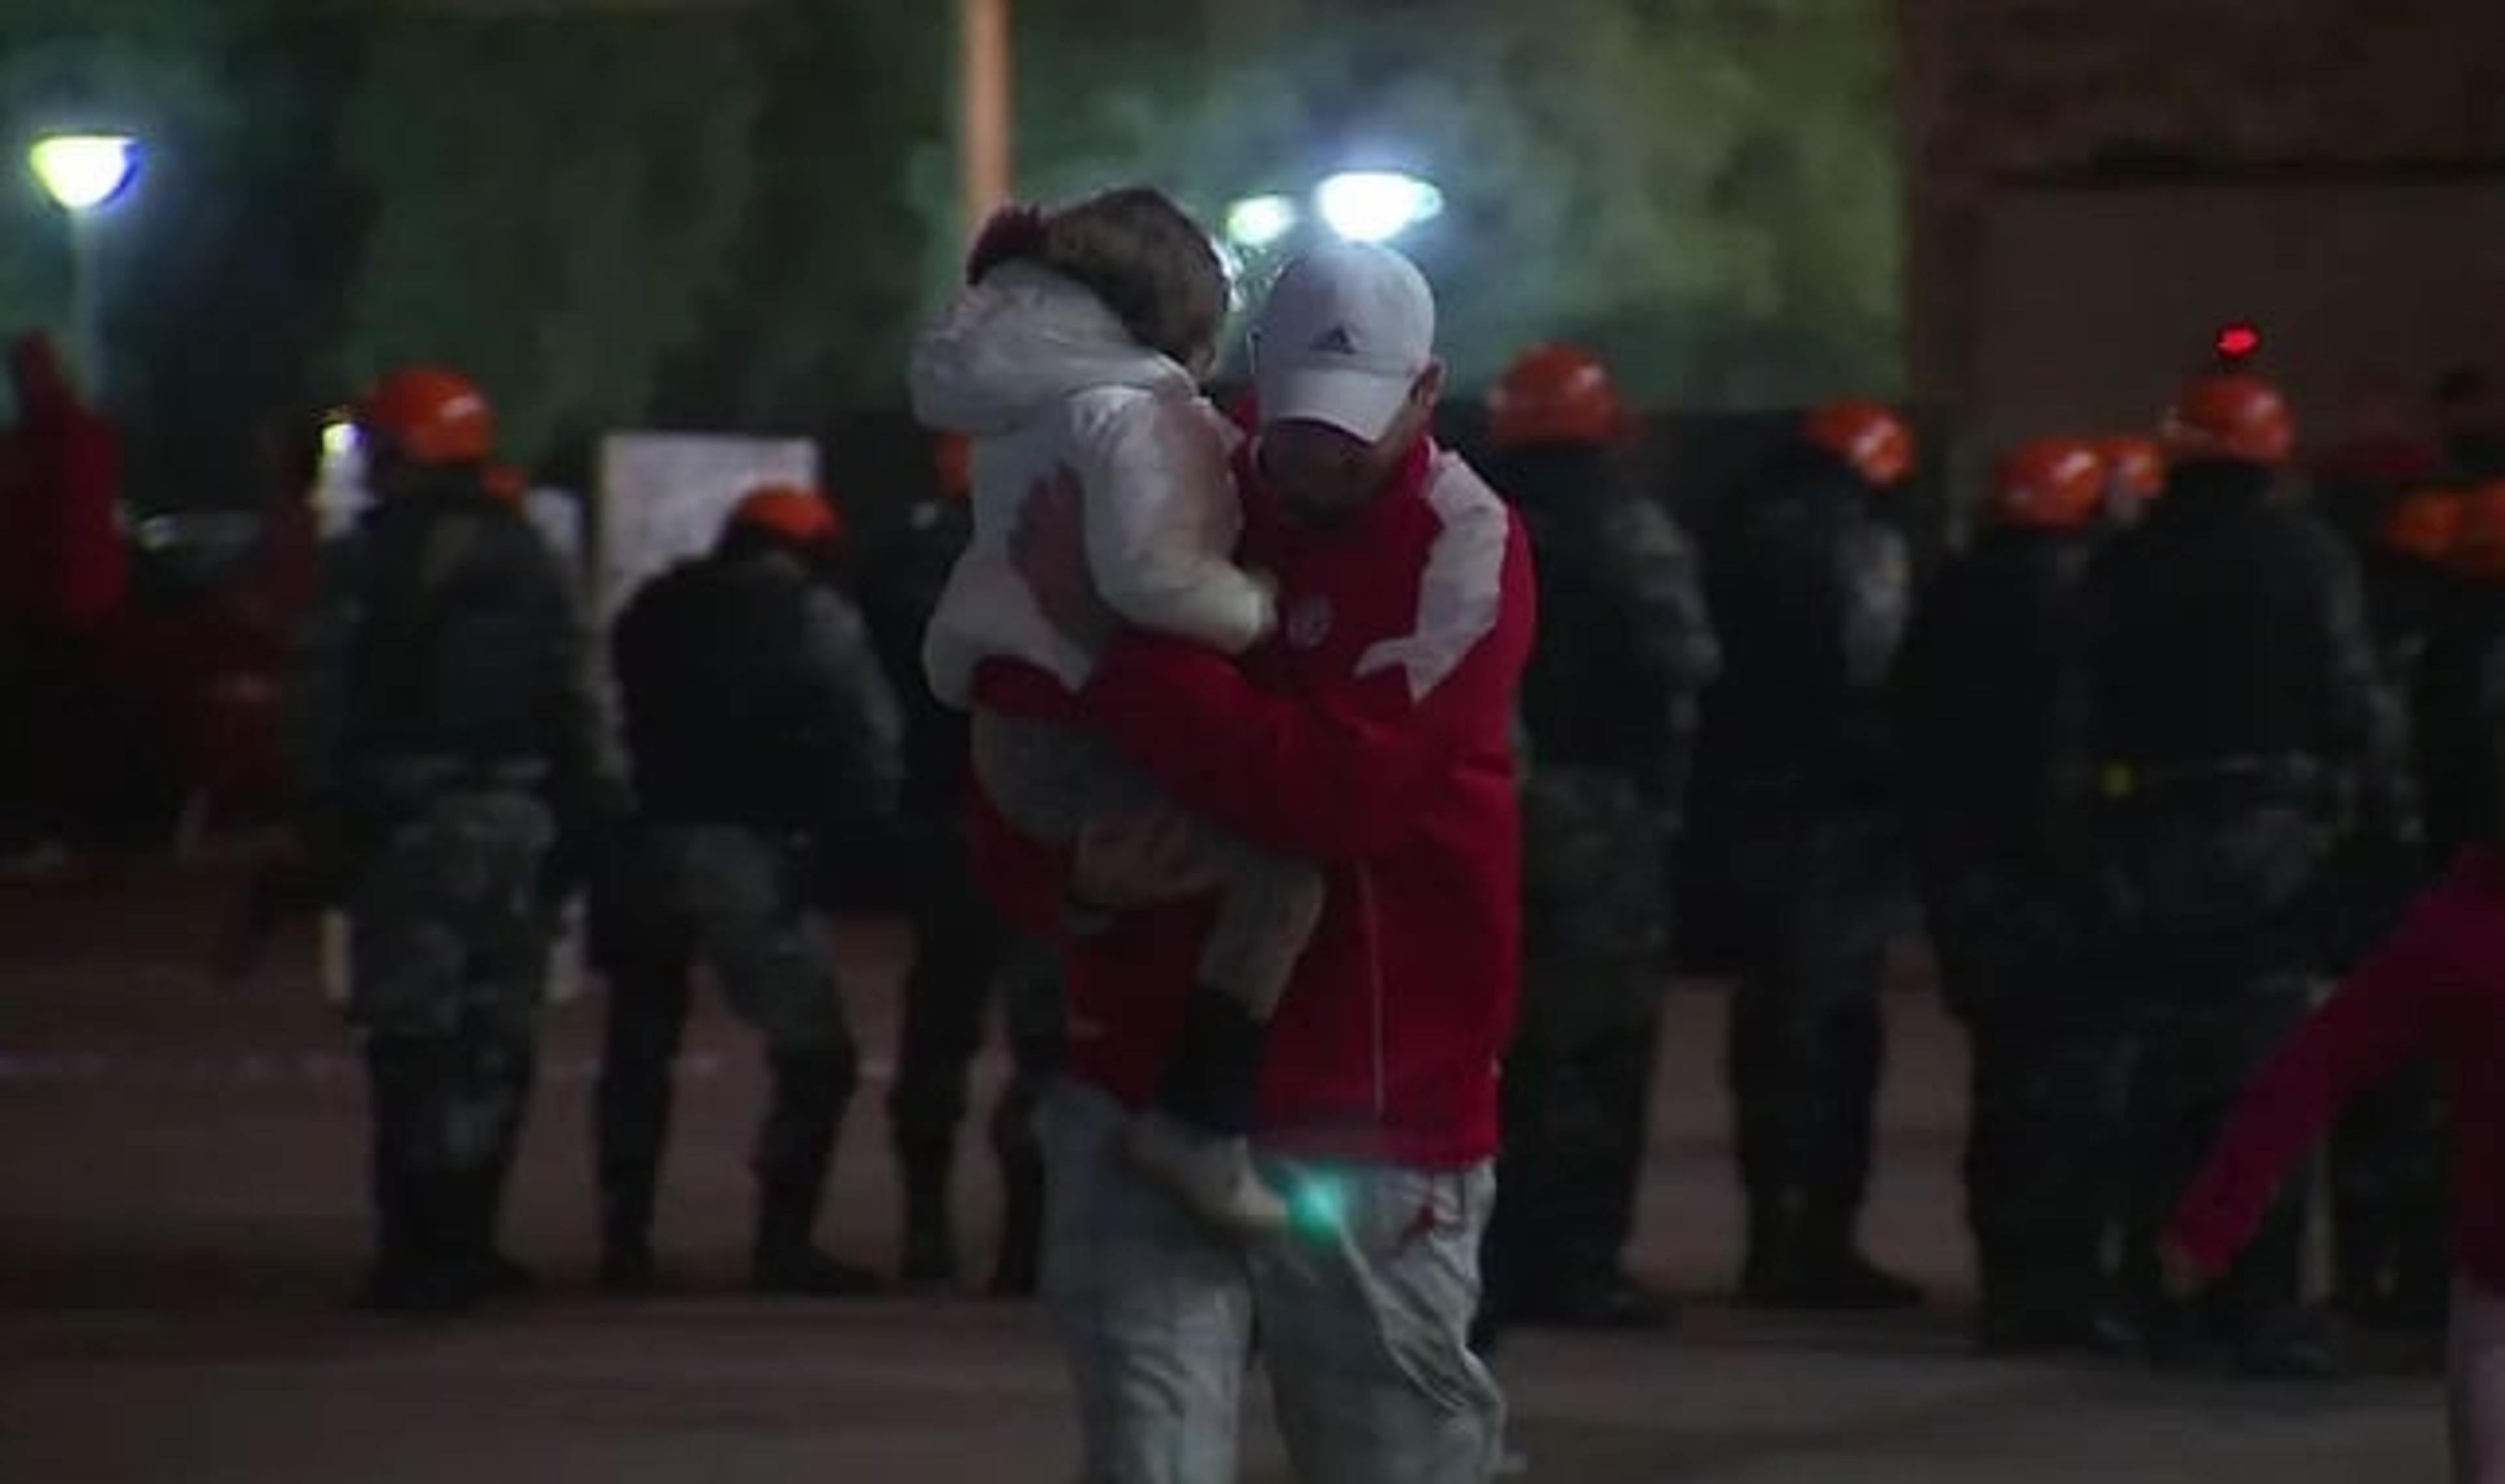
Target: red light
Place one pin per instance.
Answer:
(2238, 341)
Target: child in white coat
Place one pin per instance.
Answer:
(1075, 353)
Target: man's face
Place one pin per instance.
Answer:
(1323, 471)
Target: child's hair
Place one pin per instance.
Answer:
(1133, 248)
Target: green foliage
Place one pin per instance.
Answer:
(554, 204)
(1707, 193)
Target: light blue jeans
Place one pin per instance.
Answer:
(1363, 1326)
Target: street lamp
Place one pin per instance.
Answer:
(1376, 205)
(83, 173)
(1258, 222)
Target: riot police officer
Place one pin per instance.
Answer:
(2243, 729)
(964, 955)
(1810, 586)
(2390, 1260)
(450, 763)
(1609, 709)
(1997, 760)
(761, 734)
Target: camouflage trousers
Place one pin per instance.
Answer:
(449, 938)
(2392, 1254)
(2194, 1045)
(2048, 1065)
(1579, 1077)
(735, 900)
(1821, 895)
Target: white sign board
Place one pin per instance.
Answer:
(663, 497)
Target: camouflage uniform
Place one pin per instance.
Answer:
(1991, 686)
(451, 761)
(760, 731)
(963, 954)
(1811, 591)
(2391, 1258)
(1609, 706)
(2244, 729)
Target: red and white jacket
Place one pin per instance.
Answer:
(1373, 734)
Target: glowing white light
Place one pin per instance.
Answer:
(338, 438)
(84, 172)
(1256, 222)
(1376, 205)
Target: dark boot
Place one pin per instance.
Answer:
(1018, 1271)
(1762, 1251)
(399, 1091)
(930, 1257)
(627, 1266)
(1613, 1300)
(630, 1126)
(502, 1073)
(793, 1152)
(1810, 1260)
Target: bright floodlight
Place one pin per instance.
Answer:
(1376, 205)
(1257, 222)
(84, 172)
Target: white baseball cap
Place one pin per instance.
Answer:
(1342, 338)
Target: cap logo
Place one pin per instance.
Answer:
(1335, 342)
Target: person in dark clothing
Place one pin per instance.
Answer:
(1991, 686)
(762, 734)
(2390, 1260)
(1810, 588)
(2244, 731)
(963, 954)
(1609, 708)
(451, 767)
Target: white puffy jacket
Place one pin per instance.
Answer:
(1042, 377)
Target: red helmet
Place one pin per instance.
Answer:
(2478, 546)
(2050, 485)
(1869, 435)
(2231, 419)
(2135, 466)
(2424, 524)
(1555, 394)
(428, 415)
(796, 513)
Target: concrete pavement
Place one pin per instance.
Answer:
(180, 1171)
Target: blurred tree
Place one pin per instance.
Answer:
(847, 229)
(1708, 193)
(556, 200)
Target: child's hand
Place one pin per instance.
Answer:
(2183, 1277)
(1050, 550)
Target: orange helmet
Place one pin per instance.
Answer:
(2479, 544)
(1869, 435)
(428, 415)
(2424, 524)
(2233, 418)
(952, 461)
(796, 512)
(506, 483)
(1555, 394)
(2135, 466)
(2050, 485)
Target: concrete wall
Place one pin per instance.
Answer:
(2096, 301)
(2003, 94)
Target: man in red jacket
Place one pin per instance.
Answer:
(1372, 736)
